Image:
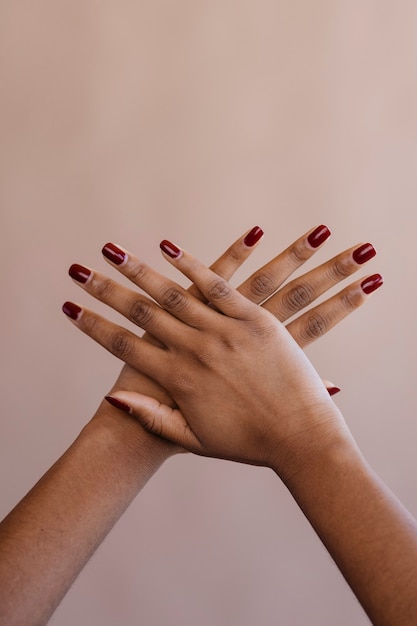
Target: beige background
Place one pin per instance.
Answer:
(194, 120)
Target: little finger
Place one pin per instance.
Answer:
(141, 355)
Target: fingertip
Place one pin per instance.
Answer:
(114, 254)
(372, 283)
(170, 249)
(71, 310)
(318, 236)
(80, 273)
(253, 236)
(364, 253)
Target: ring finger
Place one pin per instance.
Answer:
(139, 354)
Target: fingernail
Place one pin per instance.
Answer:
(72, 310)
(114, 254)
(318, 236)
(253, 237)
(170, 249)
(79, 273)
(118, 404)
(333, 390)
(364, 253)
(372, 283)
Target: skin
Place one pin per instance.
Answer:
(245, 391)
(50, 535)
(201, 349)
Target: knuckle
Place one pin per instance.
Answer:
(140, 312)
(121, 344)
(206, 352)
(340, 269)
(218, 290)
(104, 288)
(174, 299)
(202, 358)
(203, 353)
(181, 381)
(235, 254)
(316, 326)
(298, 253)
(229, 342)
(89, 323)
(138, 272)
(351, 300)
(297, 298)
(262, 285)
(152, 424)
(262, 329)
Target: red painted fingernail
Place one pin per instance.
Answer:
(333, 390)
(79, 273)
(114, 254)
(170, 249)
(253, 236)
(318, 236)
(364, 253)
(372, 283)
(72, 310)
(118, 404)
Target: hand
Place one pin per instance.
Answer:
(222, 370)
(134, 380)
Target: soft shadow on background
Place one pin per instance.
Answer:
(193, 121)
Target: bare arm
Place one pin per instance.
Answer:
(369, 533)
(246, 392)
(50, 535)
(47, 539)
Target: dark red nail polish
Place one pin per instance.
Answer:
(364, 253)
(318, 236)
(333, 390)
(72, 310)
(79, 273)
(253, 237)
(118, 404)
(372, 283)
(170, 249)
(114, 254)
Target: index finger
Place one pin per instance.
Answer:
(216, 290)
(230, 261)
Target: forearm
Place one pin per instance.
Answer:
(50, 535)
(370, 535)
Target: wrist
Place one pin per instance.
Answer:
(123, 431)
(125, 439)
(315, 448)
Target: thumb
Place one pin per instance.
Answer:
(159, 419)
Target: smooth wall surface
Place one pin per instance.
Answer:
(193, 121)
